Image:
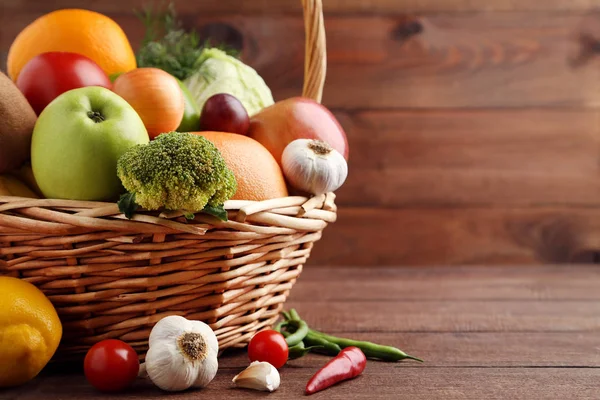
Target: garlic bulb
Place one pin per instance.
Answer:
(313, 166)
(181, 354)
(258, 376)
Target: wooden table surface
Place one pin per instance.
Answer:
(485, 333)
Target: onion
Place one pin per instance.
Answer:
(155, 95)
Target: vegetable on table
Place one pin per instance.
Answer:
(315, 343)
(313, 166)
(349, 364)
(322, 345)
(269, 346)
(332, 345)
(176, 171)
(181, 354)
(111, 365)
(300, 350)
(299, 335)
(260, 375)
(371, 350)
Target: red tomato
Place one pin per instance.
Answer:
(111, 365)
(269, 346)
(48, 75)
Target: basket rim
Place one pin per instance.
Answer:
(284, 215)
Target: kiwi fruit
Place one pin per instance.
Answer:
(17, 120)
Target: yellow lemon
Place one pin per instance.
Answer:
(29, 331)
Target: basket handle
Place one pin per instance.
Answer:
(315, 63)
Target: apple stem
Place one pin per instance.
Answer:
(95, 116)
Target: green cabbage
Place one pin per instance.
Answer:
(220, 73)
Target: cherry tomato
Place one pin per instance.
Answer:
(48, 75)
(111, 365)
(269, 346)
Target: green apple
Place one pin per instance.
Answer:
(77, 141)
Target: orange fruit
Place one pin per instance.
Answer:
(75, 31)
(258, 175)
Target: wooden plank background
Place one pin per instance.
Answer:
(473, 125)
(484, 333)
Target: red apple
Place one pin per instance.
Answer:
(296, 118)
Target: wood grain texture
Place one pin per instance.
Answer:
(459, 283)
(330, 6)
(452, 316)
(473, 60)
(473, 125)
(499, 363)
(378, 382)
(457, 235)
(472, 158)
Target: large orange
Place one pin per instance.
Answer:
(257, 173)
(76, 31)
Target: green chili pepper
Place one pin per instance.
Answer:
(295, 336)
(371, 350)
(279, 327)
(300, 350)
(294, 315)
(299, 334)
(326, 347)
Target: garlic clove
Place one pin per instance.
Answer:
(258, 376)
(207, 371)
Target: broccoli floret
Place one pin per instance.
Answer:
(176, 171)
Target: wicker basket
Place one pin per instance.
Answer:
(110, 277)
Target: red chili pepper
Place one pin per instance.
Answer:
(347, 365)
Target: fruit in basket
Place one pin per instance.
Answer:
(297, 118)
(48, 75)
(224, 113)
(258, 174)
(30, 331)
(190, 122)
(77, 31)
(155, 95)
(25, 175)
(11, 186)
(77, 141)
(220, 73)
(17, 120)
(175, 171)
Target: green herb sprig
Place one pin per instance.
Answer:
(168, 46)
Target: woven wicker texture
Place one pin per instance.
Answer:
(110, 277)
